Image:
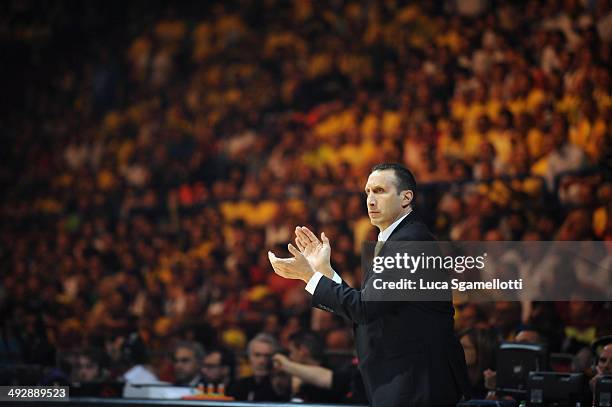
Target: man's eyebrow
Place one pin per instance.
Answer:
(374, 187)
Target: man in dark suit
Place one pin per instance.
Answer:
(408, 353)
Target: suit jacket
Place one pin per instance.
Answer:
(408, 352)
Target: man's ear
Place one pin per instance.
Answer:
(407, 198)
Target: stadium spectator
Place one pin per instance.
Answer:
(188, 358)
(307, 348)
(135, 356)
(88, 367)
(218, 367)
(479, 346)
(258, 386)
(604, 364)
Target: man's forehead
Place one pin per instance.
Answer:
(261, 346)
(185, 351)
(381, 177)
(213, 357)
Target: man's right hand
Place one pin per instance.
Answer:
(280, 362)
(317, 252)
(490, 379)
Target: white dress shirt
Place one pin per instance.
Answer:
(139, 374)
(311, 286)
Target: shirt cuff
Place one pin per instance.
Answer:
(311, 286)
(336, 278)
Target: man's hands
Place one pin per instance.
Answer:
(296, 268)
(281, 362)
(313, 255)
(315, 375)
(317, 252)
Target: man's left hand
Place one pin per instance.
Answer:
(296, 268)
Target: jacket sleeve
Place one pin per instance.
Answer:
(346, 301)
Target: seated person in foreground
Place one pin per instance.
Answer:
(258, 387)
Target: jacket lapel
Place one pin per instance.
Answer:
(412, 216)
(380, 246)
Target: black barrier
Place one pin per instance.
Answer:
(487, 403)
(560, 389)
(98, 402)
(515, 362)
(603, 391)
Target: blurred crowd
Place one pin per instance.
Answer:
(147, 174)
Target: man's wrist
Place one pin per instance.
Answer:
(327, 271)
(311, 285)
(289, 367)
(307, 276)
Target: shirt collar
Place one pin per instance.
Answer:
(384, 235)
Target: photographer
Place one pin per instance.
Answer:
(258, 387)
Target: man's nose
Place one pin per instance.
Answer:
(371, 201)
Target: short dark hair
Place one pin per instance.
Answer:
(134, 351)
(196, 348)
(311, 341)
(95, 355)
(227, 359)
(264, 338)
(485, 342)
(530, 328)
(404, 178)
